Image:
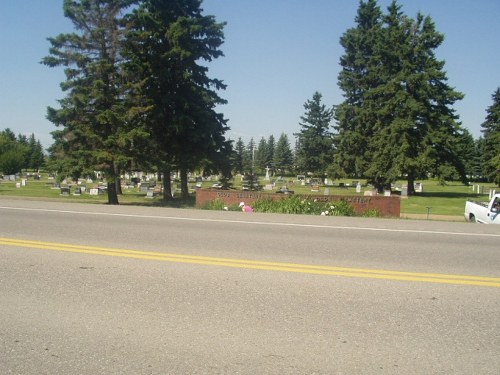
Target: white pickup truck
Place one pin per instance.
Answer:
(483, 212)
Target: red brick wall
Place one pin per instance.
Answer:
(386, 206)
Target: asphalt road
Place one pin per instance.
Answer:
(95, 289)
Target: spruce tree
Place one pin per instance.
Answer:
(283, 155)
(260, 160)
(491, 140)
(355, 125)
(92, 116)
(315, 152)
(397, 119)
(168, 47)
(239, 154)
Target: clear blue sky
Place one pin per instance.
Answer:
(277, 54)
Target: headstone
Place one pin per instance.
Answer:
(387, 193)
(368, 193)
(404, 191)
(23, 182)
(358, 188)
(94, 191)
(18, 184)
(267, 174)
(150, 194)
(12, 177)
(326, 191)
(78, 191)
(65, 191)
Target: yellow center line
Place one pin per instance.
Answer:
(261, 265)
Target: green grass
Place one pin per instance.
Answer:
(443, 200)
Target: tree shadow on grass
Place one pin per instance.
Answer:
(174, 203)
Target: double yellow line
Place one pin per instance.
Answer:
(261, 265)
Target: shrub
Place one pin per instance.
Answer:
(302, 205)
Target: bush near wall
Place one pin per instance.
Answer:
(361, 205)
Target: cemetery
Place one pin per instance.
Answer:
(432, 201)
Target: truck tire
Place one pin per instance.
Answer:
(472, 219)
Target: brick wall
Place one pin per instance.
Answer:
(386, 206)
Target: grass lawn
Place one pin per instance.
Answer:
(446, 200)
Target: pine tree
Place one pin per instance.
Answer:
(93, 117)
(239, 154)
(271, 148)
(169, 42)
(249, 157)
(491, 139)
(260, 160)
(283, 156)
(36, 157)
(397, 118)
(315, 152)
(356, 79)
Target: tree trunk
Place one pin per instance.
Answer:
(167, 185)
(411, 184)
(112, 195)
(119, 186)
(184, 184)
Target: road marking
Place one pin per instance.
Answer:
(261, 265)
(266, 223)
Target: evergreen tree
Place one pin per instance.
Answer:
(355, 126)
(269, 157)
(35, 155)
(467, 152)
(239, 155)
(315, 152)
(404, 103)
(94, 120)
(260, 160)
(249, 158)
(478, 160)
(491, 140)
(283, 156)
(167, 47)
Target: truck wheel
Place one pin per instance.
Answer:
(472, 219)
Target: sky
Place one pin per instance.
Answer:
(277, 54)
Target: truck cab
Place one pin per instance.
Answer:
(485, 213)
